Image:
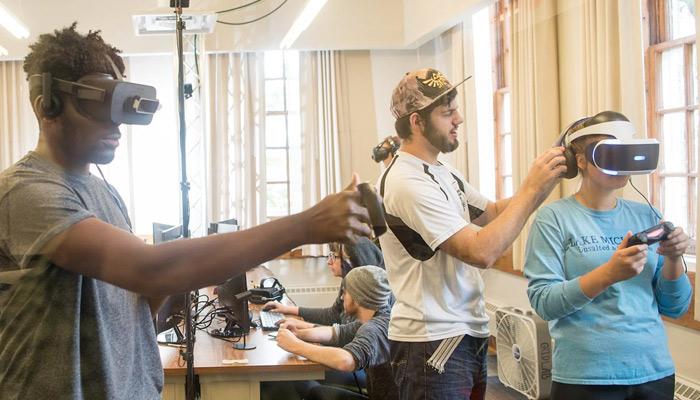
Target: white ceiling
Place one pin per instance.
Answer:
(341, 24)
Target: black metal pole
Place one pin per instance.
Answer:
(185, 188)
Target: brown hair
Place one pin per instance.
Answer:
(403, 124)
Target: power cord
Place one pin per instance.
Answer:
(253, 20)
(239, 7)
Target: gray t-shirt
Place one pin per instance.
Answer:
(335, 314)
(64, 335)
(370, 349)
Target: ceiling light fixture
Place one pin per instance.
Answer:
(308, 14)
(12, 24)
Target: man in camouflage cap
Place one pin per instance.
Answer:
(431, 251)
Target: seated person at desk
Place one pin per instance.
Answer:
(341, 260)
(366, 298)
(90, 285)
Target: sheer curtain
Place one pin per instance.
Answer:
(320, 95)
(535, 92)
(601, 52)
(19, 130)
(234, 126)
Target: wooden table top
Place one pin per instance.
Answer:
(210, 352)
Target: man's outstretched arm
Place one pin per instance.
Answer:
(99, 250)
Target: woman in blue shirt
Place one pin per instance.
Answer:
(604, 300)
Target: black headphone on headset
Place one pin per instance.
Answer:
(51, 104)
(569, 155)
(381, 152)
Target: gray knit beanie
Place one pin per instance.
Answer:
(368, 286)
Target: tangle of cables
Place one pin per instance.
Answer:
(207, 313)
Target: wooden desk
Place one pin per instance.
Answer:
(267, 362)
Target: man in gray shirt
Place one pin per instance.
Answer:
(78, 323)
(367, 298)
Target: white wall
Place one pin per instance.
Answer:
(358, 131)
(341, 24)
(389, 66)
(424, 20)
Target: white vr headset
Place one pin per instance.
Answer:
(622, 155)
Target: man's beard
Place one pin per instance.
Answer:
(440, 142)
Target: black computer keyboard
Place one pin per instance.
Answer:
(268, 320)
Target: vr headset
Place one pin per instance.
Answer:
(622, 155)
(99, 97)
(270, 289)
(380, 152)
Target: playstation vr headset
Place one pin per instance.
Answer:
(98, 96)
(620, 155)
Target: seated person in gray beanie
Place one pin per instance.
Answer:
(367, 298)
(341, 260)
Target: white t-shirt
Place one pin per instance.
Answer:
(437, 296)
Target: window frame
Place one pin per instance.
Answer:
(501, 80)
(284, 112)
(659, 32)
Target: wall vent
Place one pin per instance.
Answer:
(686, 389)
(316, 289)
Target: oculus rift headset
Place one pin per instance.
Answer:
(98, 97)
(622, 155)
(380, 152)
(270, 289)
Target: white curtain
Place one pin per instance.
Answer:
(535, 92)
(601, 52)
(320, 128)
(234, 129)
(19, 130)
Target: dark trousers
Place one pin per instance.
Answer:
(661, 389)
(327, 392)
(464, 376)
(337, 385)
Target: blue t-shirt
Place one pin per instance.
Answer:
(617, 338)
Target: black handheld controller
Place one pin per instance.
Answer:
(652, 235)
(373, 203)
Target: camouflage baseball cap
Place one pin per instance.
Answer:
(419, 89)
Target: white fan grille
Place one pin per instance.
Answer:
(522, 346)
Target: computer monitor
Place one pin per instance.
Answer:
(229, 225)
(164, 233)
(227, 298)
(172, 312)
(169, 318)
(238, 320)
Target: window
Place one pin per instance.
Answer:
(672, 109)
(148, 179)
(502, 99)
(282, 142)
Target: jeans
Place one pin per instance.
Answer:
(464, 376)
(661, 389)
